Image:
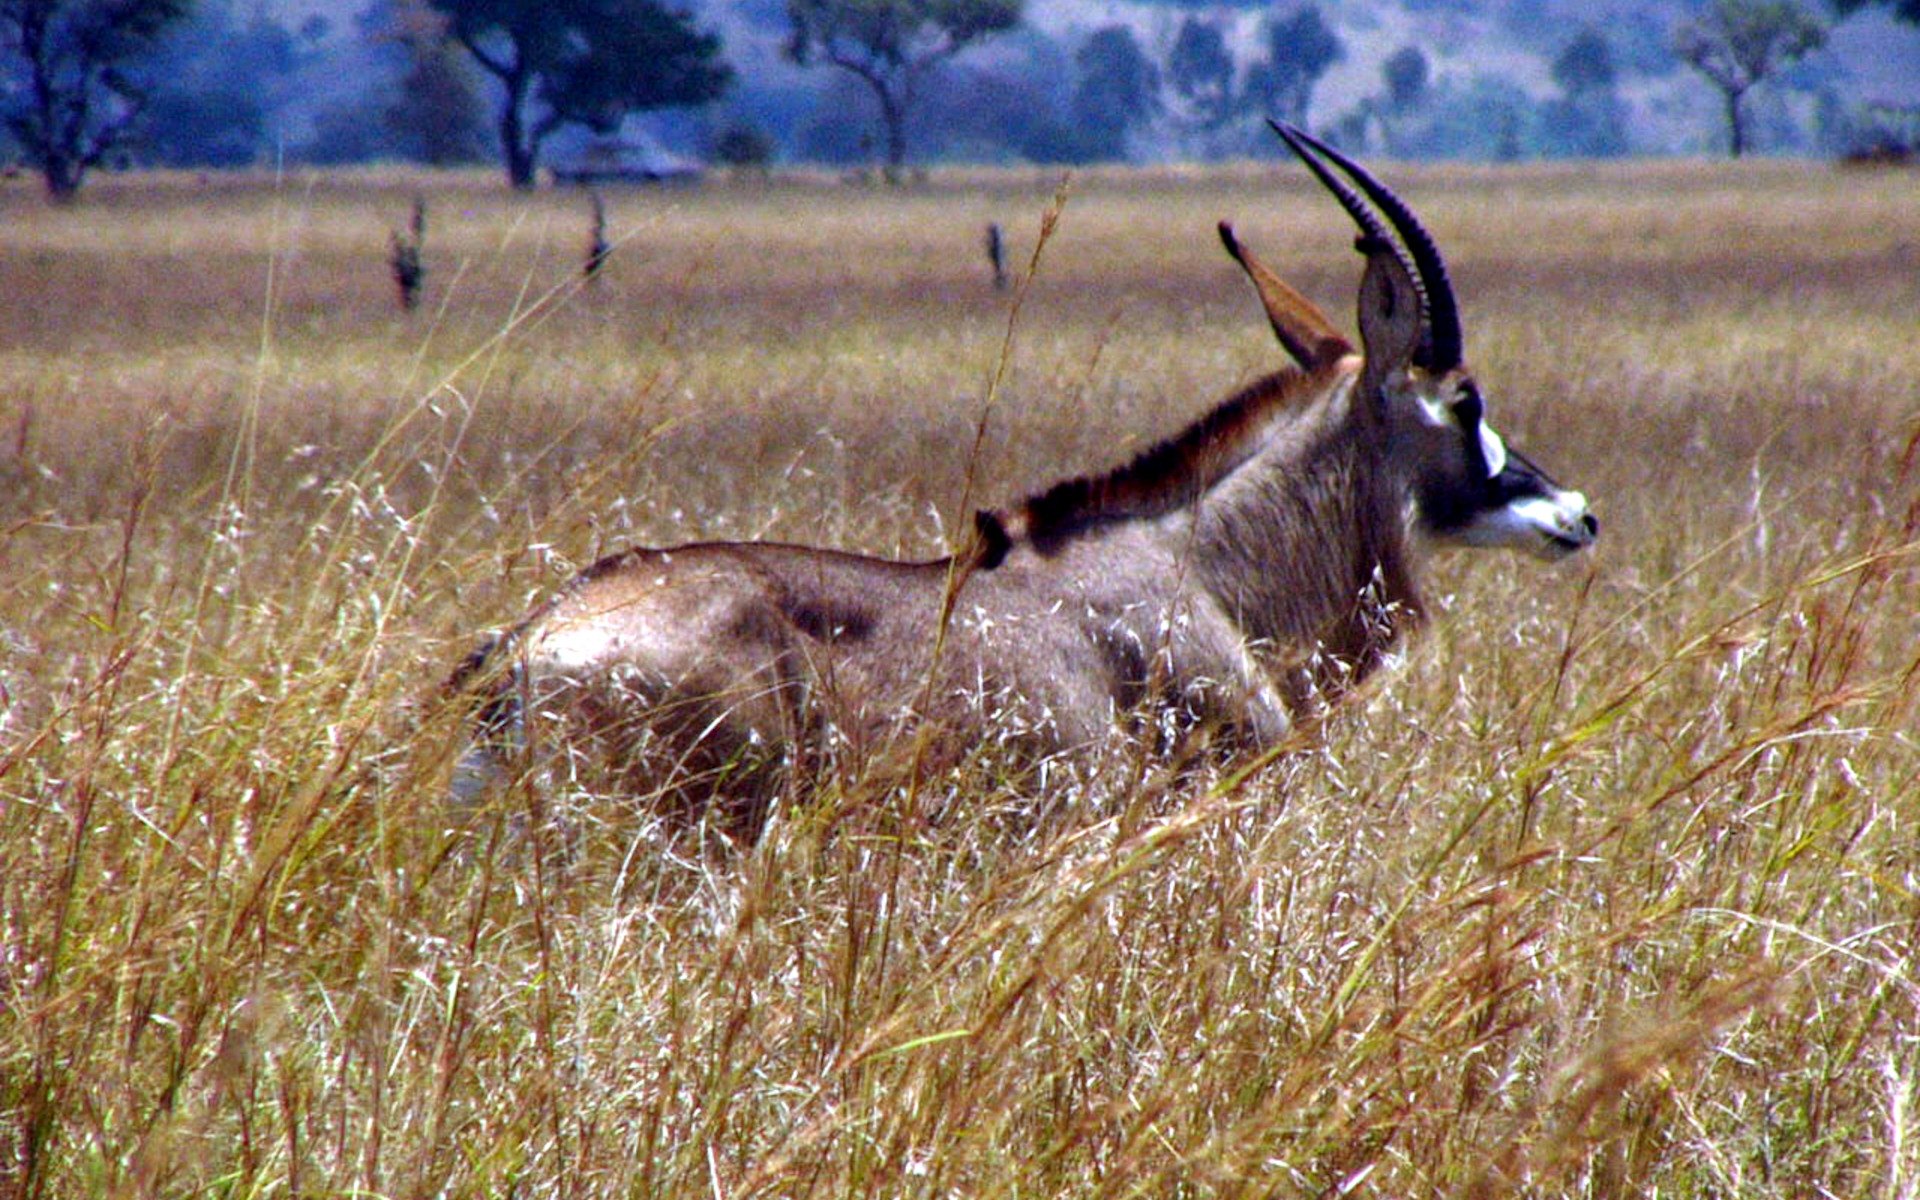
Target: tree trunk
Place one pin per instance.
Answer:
(515, 143)
(893, 115)
(62, 175)
(520, 166)
(1736, 123)
(55, 118)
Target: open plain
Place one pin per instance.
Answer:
(1612, 889)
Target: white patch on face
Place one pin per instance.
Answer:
(1494, 449)
(1547, 527)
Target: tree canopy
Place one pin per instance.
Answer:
(890, 45)
(581, 62)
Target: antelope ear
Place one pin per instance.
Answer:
(1390, 316)
(1297, 322)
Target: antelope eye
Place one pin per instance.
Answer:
(1469, 408)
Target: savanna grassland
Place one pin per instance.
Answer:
(1610, 890)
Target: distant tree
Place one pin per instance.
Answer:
(1906, 10)
(1300, 49)
(419, 95)
(1201, 72)
(79, 93)
(221, 77)
(1585, 64)
(1398, 114)
(890, 46)
(992, 112)
(1738, 44)
(1589, 120)
(744, 146)
(1482, 117)
(216, 127)
(1118, 88)
(581, 62)
(1407, 75)
(434, 115)
(1351, 130)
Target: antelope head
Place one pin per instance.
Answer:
(1468, 487)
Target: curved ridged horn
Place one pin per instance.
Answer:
(1443, 347)
(1373, 233)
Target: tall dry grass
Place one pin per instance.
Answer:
(1611, 891)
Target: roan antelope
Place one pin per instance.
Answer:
(1264, 557)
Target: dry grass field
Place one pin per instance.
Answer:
(1612, 890)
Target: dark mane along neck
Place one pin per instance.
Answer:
(1177, 471)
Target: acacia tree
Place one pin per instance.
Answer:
(1737, 44)
(890, 45)
(581, 62)
(78, 96)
